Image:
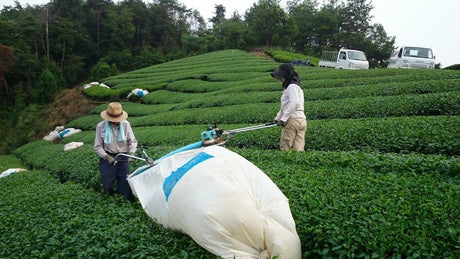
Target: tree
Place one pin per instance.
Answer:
(197, 26)
(141, 20)
(192, 44)
(327, 24)
(219, 18)
(7, 58)
(100, 71)
(303, 15)
(378, 46)
(172, 24)
(45, 88)
(120, 29)
(148, 57)
(354, 23)
(96, 10)
(232, 33)
(267, 21)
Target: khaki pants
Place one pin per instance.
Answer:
(293, 135)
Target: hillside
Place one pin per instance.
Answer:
(379, 178)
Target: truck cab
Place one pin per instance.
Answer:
(352, 59)
(344, 59)
(412, 57)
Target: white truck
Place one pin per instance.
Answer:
(412, 57)
(344, 59)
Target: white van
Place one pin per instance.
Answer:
(344, 59)
(412, 57)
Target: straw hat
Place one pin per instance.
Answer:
(114, 113)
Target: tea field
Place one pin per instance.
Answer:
(380, 177)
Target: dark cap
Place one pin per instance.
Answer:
(285, 70)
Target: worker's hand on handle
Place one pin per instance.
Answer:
(110, 159)
(130, 160)
(280, 123)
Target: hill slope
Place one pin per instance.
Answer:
(380, 176)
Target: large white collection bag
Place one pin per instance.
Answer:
(224, 202)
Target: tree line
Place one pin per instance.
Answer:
(46, 48)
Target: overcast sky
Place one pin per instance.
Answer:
(422, 23)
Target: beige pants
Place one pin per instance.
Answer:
(293, 135)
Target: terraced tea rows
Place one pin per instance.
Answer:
(380, 177)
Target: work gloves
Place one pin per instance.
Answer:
(130, 160)
(280, 123)
(110, 159)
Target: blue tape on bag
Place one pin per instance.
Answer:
(62, 133)
(175, 176)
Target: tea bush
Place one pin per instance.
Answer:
(42, 218)
(428, 135)
(286, 56)
(197, 67)
(106, 94)
(195, 86)
(368, 205)
(443, 103)
(9, 161)
(380, 177)
(381, 89)
(135, 109)
(271, 93)
(425, 134)
(375, 75)
(352, 204)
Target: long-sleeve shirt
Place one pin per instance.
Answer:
(292, 104)
(115, 147)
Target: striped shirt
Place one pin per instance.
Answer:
(115, 147)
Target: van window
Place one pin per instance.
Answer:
(418, 52)
(343, 55)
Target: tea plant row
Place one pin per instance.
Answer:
(380, 177)
(443, 103)
(44, 218)
(422, 134)
(271, 93)
(350, 204)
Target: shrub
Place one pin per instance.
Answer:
(101, 70)
(46, 88)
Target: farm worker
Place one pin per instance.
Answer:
(291, 114)
(114, 135)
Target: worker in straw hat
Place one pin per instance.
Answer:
(291, 114)
(114, 135)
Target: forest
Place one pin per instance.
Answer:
(45, 49)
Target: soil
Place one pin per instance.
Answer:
(68, 105)
(261, 53)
